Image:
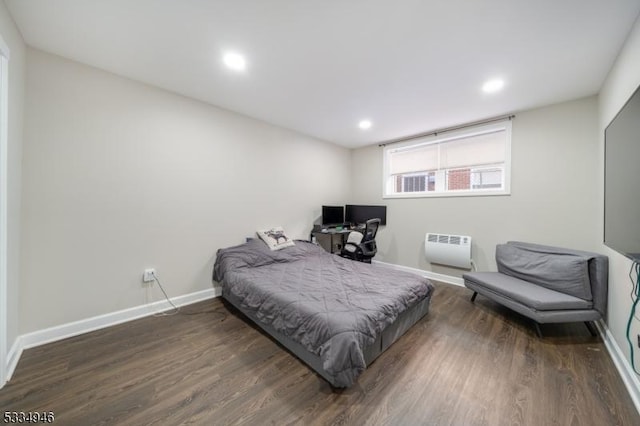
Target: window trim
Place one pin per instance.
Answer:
(435, 138)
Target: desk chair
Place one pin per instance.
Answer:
(362, 247)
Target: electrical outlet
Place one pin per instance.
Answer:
(148, 275)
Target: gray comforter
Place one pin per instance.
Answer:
(334, 307)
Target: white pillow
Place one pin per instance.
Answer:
(275, 238)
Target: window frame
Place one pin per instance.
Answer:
(437, 138)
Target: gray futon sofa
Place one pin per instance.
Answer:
(547, 284)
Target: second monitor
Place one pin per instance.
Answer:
(359, 214)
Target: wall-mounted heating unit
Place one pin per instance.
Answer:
(450, 250)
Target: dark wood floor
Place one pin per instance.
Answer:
(463, 364)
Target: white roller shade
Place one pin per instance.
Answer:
(416, 159)
(476, 150)
(488, 148)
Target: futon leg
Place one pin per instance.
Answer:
(538, 331)
(591, 328)
(475, 293)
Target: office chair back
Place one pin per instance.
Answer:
(371, 229)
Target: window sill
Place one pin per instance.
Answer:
(447, 194)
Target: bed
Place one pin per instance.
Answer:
(335, 314)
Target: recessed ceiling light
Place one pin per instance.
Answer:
(234, 61)
(364, 124)
(493, 86)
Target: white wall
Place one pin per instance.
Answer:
(622, 81)
(119, 176)
(12, 37)
(552, 201)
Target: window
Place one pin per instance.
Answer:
(472, 161)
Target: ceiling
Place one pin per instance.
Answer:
(319, 67)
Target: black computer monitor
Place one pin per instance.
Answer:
(332, 215)
(358, 214)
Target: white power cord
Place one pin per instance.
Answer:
(164, 313)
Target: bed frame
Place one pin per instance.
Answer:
(388, 336)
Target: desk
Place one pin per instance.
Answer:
(332, 240)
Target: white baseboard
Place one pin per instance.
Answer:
(629, 377)
(52, 334)
(428, 274)
(13, 357)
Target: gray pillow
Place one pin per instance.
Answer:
(563, 272)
